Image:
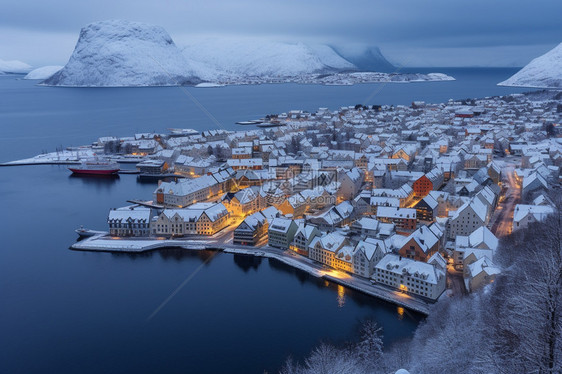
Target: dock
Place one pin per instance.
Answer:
(104, 243)
(145, 177)
(40, 162)
(125, 171)
(146, 203)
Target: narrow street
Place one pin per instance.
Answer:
(455, 281)
(502, 220)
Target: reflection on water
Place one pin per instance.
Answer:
(174, 254)
(95, 180)
(180, 254)
(341, 296)
(247, 262)
(400, 312)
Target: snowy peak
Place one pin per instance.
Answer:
(14, 66)
(227, 57)
(544, 71)
(43, 73)
(123, 53)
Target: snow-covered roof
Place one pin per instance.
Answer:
(483, 236)
(280, 224)
(540, 212)
(130, 213)
(484, 264)
(393, 212)
(415, 269)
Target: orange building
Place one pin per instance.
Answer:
(423, 186)
(422, 243)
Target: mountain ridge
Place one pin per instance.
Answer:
(544, 71)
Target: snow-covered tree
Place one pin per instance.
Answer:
(370, 344)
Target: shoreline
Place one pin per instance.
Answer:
(99, 243)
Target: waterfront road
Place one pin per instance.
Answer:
(357, 283)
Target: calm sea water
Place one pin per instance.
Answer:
(79, 312)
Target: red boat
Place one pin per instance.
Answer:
(95, 168)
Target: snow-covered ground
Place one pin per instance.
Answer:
(543, 72)
(109, 244)
(122, 53)
(367, 77)
(227, 58)
(209, 85)
(43, 73)
(346, 79)
(62, 157)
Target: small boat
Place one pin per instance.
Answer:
(95, 167)
(86, 233)
(128, 159)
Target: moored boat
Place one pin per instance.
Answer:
(95, 167)
(86, 233)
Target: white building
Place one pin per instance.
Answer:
(197, 219)
(323, 248)
(130, 221)
(523, 215)
(482, 238)
(367, 254)
(467, 218)
(410, 276)
(281, 232)
(185, 192)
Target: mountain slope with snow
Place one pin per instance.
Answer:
(234, 58)
(14, 66)
(366, 58)
(43, 73)
(122, 53)
(543, 72)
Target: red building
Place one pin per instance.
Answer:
(422, 243)
(423, 186)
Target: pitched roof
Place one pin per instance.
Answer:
(483, 235)
(538, 211)
(415, 269)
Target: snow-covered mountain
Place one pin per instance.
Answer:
(123, 53)
(368, 58)
(43, 73)
(214, 58)
(544, 71)
(14, 66)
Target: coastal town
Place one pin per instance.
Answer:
(406, 203)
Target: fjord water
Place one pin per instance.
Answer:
(66, 311)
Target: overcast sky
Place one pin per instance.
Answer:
(409, 32)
